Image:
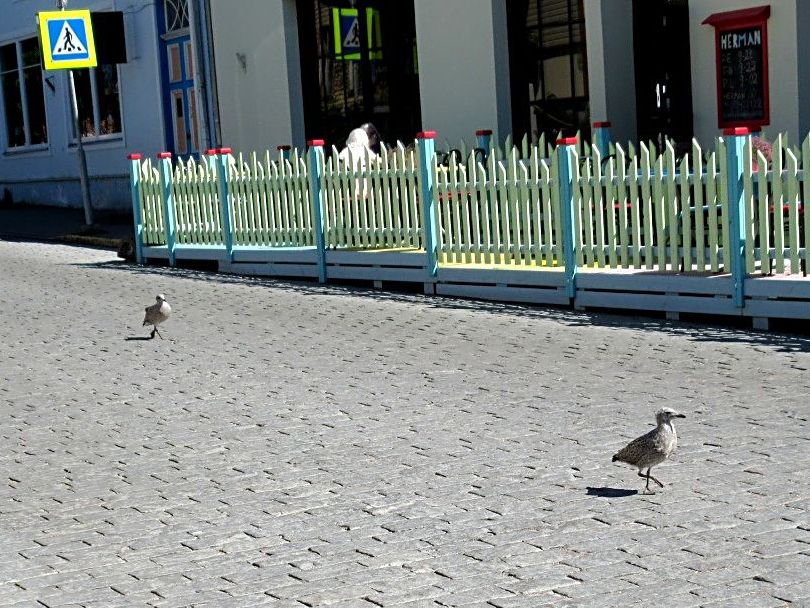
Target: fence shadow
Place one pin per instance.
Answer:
(690, 330)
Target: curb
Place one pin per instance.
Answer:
(96, 241)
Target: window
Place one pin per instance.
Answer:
(98, 101)
(176, 14)
(548, 62)
(358, 63)
(23, 97)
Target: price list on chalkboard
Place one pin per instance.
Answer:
(742, 79)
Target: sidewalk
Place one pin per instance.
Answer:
(45, 223)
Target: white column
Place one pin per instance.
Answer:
(611, 65)
(463, 58)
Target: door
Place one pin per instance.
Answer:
(180, 98)
(663, 71)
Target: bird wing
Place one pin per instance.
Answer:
(636, 448)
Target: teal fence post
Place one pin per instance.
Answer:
(484, 139)
(135, 189)
(427, 151)
(565, 161)
(601, 137)
(736, 140)
(316, 200)
(284, 149)
(167, 198)
(223, 168)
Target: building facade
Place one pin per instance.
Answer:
(257, 74)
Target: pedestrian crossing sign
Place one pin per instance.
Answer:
(67, 39)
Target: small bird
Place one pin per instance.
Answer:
(156, 314)
(652, 448)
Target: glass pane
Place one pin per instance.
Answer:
(8, 57)
(109, 106)
(84, 98)
(12, 100)
(30, 52)
(179, 124)
(176, 14)
(557, 71)
(36, 105)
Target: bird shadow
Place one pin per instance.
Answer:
(131, 338)
(610, 492)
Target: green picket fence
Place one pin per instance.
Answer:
(196, 203)
(499, 212)
(270, 204)
(372, 202)
(633, 208)
(154, 222)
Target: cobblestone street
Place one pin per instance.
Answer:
(290, 444)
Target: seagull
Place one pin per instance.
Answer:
(156, 314)
(652, 448)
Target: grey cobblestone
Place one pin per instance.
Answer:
(327, 446)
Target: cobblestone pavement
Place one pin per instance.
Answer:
(296, 445)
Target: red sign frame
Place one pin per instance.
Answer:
(735, 20)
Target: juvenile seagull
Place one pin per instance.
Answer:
(653, 448)
(156, 314)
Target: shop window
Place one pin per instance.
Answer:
(358, 62)
(549, 66)
(98, 100)
(23, 97)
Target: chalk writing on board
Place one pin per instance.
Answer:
(742, 91)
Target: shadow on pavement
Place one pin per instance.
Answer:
(719, 333)
(611, 492)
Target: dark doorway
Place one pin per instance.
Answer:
(663, 71)
(358, 64)
(548, 67)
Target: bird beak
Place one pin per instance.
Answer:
(680, 415)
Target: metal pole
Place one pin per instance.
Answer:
(85, 181)
(83, 177)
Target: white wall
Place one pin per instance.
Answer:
(463, 68)
(260, 103)
(51, 176)
(782, 66)
(611, 77)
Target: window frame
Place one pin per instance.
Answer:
(21, 67)
(98, 137)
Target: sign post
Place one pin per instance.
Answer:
(67, 43)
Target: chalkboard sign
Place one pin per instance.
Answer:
(742, 67)
(742, 78)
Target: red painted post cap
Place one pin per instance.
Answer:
(284, 147)
(211, 152)
(601, 124)
(224, 150)
(480, 132)
(164, 155)
(312, 143)
(737, 131)
(567, 141)
(135, 156)
(426, 135)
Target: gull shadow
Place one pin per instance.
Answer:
(131, 338)
(611, 492)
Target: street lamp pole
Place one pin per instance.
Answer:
(74, 105)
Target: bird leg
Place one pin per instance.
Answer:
(161, 337)
(653, 478)
(647, 487)
(648, 477)
(152, 337)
